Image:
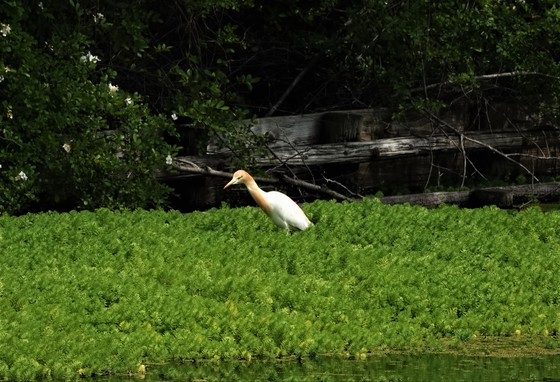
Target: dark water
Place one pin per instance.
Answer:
(386, 368)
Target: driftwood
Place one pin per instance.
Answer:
(500, 196)
(503, 197)
(429, 199)
(368, 151)
(303, 130)
(361, 152)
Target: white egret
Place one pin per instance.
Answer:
(283, 211)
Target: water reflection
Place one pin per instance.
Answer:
(428, 367)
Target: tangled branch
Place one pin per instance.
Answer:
(463, 137)
(190, 167)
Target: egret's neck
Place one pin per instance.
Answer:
(258, 195)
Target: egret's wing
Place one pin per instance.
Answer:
(285, 212)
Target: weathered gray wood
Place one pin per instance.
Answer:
(361, 152)
(538, 191)
(296, 130)
(370, 150)
(429, 199)
(339, 127)
(315, 128)
(500, 196)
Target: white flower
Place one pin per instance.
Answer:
(128, 101)
(41, 5)
(98, 17)
(174, 116)
(89, 58)
(1, 78)
(21, 176)
(67, 147)
(9, 113)
(168, 160)
(5, 29)
(113, 88)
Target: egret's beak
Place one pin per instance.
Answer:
(231, 182)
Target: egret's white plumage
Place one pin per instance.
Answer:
(283, 211)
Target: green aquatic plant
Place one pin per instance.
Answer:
(91, 293)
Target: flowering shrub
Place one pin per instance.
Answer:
(69, 135)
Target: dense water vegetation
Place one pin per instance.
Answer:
(89, 293)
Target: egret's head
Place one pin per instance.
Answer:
(240, 176)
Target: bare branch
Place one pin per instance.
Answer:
(192, 168)
(491, 148)
(313, 187)
(292, 86)
(484, 77)
(297, 153)
(342, 186)
(464, 153)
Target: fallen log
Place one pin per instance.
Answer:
(362, 152)
(431, 199)
(503, 197)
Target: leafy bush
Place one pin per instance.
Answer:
(70, 136)
(76, 80)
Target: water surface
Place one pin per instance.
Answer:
(402, 368)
